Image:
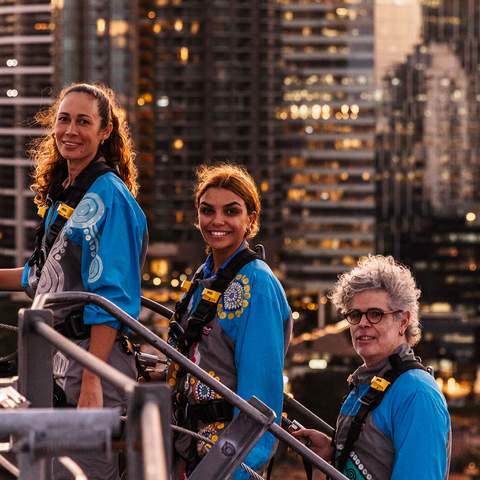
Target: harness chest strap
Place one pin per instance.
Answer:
(213, 410)
(74, 195)
(373, 397)
(205, 311)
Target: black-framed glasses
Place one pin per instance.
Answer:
(374, 315)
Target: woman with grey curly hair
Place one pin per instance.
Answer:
(394, 423)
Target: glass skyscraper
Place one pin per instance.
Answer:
(327, 143)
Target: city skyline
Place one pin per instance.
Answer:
(357, 118)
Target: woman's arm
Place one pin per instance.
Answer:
(102, 338)
(11, 279)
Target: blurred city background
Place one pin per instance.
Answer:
(358, 118)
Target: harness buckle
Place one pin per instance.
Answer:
(210, 295)
(379, 383)
(186, 285)
(42, 210)
(65, 210)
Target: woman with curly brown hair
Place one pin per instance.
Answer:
(93, 237)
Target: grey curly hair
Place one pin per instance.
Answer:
(380, 272)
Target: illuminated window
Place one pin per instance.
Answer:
(179, 216)
(159, 267)
(101, 26)
(178, 25)
(195, 27)
(183, 54)
(118, 27)
(178, 144)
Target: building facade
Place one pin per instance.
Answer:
(26, 72)
(217, 86)
(428, 158)
(327, 144)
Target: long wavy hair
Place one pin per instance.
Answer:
(117, 149)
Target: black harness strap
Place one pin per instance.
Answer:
(372, 399)
(71, 198)
(207, 307)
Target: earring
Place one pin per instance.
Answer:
(102, 141)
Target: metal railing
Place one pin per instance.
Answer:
(45, 433)
(242, 433)
(314, 420)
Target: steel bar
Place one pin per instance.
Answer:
(86, 297)
(316, 421)
(73, 468)
(154, 461)
(89, 361)
(157, 307)
(22, 421)
(233, 445)
(35, 356)
(9, 466)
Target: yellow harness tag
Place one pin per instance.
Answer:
(210, 295)
(64, 210)
(379, 383)
(186, 285)
(42, 210)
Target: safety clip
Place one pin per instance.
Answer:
(64, 210)
(379, 383)
(210, 295)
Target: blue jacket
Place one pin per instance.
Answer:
(101, 249)
(244, 348)
(406, 436)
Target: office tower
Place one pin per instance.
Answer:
(428, 159)
(26, 80)
(217, 84)
(327, 144)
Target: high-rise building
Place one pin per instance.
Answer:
(428, 158)
(327, 143)
(25, 85)
(217, 85)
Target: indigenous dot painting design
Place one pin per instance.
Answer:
(211, 431)
(235, 299)
(202, 392)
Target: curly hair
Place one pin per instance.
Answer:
(233, 178)
(380, 272)
(117, 149)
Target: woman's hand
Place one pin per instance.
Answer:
(320, 443)
(91, 392)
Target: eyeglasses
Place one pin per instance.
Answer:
(374, 315)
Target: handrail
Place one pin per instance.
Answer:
(316, 421)
(42, 300)
(119, 379)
